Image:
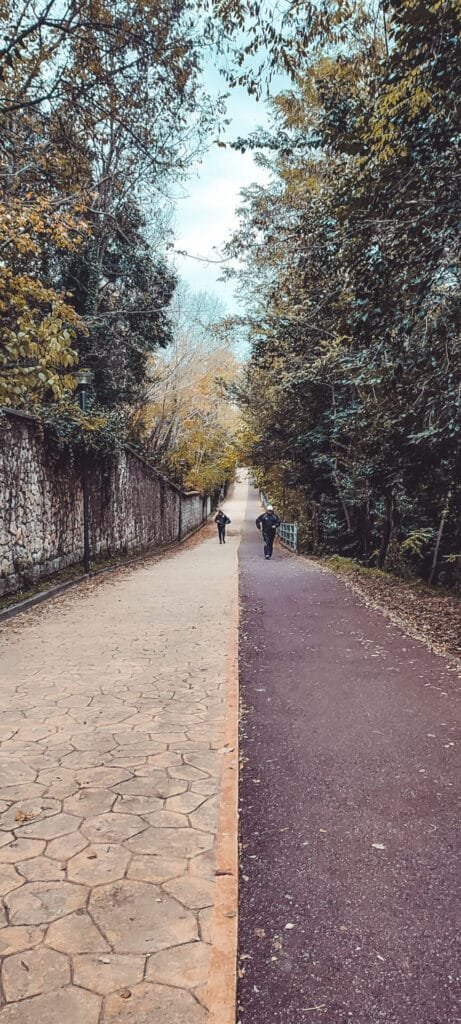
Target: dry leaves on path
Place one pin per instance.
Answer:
(434, 616)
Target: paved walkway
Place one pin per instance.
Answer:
(113, 759)
(349, 895)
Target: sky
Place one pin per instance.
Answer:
(206, 216)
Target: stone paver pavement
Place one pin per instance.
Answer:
(112, 745)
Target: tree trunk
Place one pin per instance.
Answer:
(387, 528)
(435, 557)
(365, 530)
(315, 527)
(343, 503)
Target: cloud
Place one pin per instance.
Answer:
(206, 217)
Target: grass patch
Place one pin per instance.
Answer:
(348, 565)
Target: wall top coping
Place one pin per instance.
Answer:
(31, 418)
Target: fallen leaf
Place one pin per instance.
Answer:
(24, 816)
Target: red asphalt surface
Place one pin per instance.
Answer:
(349, 877)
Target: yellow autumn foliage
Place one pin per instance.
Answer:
(38, 326)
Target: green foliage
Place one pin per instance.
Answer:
(70, 433)
(352, 281)
(101, 107)
(416, 542)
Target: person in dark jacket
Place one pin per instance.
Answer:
(221, 521)
(268, 523)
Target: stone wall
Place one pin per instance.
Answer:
(132, 507)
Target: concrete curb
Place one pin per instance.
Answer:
(60, 588)
(220, 995)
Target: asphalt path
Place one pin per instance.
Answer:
(349, 878)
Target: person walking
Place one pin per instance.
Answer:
(221, 521)
(268, 521)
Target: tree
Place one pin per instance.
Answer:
(100, 107)
(352, 387)
(189, 422)
(39, 328)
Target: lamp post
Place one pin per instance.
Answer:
(84, 378)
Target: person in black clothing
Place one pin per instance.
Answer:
(268, 522)
(221, 521)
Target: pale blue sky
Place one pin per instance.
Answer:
(206, 216)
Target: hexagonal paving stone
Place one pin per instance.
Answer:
(50, 828)
(207, 815)
(84, 761)
(34, 971)
(21, 849)
(59, 782)
(142, 786)
(166, 735)
(29, 791)
(149, 1003)
(75, 700)
(193, 891)
(171, 842)
(188, 772)
(206, 924)
(72, 1005)
(88, 802)
(171, 787)
(9, 879)
(39, 902)
(14, 940)
(26, 810)
(90, 740)
(156, 869)
(5, 838)
(133, 920)
(167, 819)
(127, 760)
(112, 828)
(13, 773)
(76, 934)
(204, 865)
(184, 966)
(167, 760)
(98, 864)
(109, 973)
(139, 744)
(65, 847)
(41, 869)
(184, 803)
(105, 777)
(33, 732)
(206, 787)
(129, 804)
(108, 715)
(193, 747)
